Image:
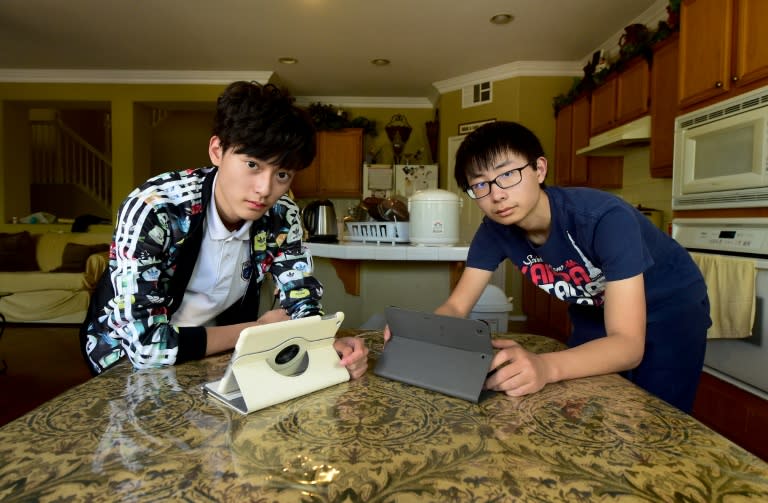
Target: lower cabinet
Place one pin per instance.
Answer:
(734, 413)
(545, 315)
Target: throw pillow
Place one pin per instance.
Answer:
(76, 255)
(17, 252)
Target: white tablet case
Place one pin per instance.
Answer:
(279, 361)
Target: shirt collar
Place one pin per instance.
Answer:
(216, 226)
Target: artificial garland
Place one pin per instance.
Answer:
(641, 44)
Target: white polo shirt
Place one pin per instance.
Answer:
(221, 274)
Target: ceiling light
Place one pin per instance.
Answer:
(288, 61)
(380, 62)
(502, 18)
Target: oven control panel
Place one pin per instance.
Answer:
(737, 235)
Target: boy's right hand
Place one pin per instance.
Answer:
(273, 316)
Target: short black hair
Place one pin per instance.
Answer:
(261, 121)
(483, 146)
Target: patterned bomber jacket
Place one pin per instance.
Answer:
(154, 249)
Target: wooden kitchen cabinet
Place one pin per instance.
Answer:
(572, 134)
(663, 107)
(579, 139)
(734, 413)
(563, 146)
(337, 170)
(723, 49)
(545, 315)
(603, 109)
(622, 98)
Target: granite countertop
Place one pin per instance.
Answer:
(354, 250)
(153, 435)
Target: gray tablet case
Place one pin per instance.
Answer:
(440, 353)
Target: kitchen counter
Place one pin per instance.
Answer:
(355, 250)
(375, 273)
(153, 435)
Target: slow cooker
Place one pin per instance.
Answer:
(434, 217)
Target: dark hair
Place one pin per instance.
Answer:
(487, 143)
(261, 121)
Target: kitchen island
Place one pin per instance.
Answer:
(362, 279)
(153, 435)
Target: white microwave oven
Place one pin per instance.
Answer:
(721, 155)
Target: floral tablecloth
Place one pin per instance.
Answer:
(154, 436)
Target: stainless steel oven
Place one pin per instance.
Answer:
(742, 362)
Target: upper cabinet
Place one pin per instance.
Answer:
(664, 75)
(572, 133)
(623, 97)
(723, 49)
(337, 170)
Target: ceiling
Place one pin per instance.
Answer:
(429, 42)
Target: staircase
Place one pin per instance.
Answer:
(65, 164)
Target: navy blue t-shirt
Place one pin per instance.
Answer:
(595, 237)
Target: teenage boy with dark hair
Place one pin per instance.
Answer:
(638, 302)
(191, 248)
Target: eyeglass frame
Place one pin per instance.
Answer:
(470, 192)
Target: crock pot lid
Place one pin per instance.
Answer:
(434, 195)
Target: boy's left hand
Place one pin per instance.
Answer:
(354, 355)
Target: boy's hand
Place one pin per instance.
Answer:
(387, 334)
(273, 316)
(515, 371)
(354, 355)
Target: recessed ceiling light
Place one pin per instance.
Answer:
(288, 61)
(502, 18)
(380, 62)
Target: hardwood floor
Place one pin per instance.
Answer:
(42, 362)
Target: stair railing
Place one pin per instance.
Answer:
(60, 155)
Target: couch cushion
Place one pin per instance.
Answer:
(76, 255)
(17, 252)
(61, 306)
(31, 281)
(51, 245)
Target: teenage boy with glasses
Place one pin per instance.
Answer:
(638, 302)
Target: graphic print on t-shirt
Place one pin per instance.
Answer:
(575, 280)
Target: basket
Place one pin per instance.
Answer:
(377, 232)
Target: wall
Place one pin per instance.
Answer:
(180, 141)
(416, 117)
(640, 188)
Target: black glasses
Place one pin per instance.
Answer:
(504, 181)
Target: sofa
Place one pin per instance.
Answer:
(48, 277)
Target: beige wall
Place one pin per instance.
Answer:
(180, 141)
(417, 118)
(129, 105)
(527, 100)
(639, 188)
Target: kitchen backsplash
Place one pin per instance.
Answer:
(640, 188)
